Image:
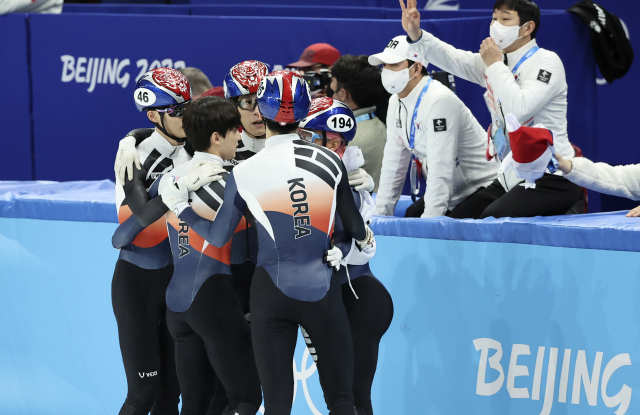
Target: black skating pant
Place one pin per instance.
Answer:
(213, 338)
(369, 318)
(138, 299)
(274, 328)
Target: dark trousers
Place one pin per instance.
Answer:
(138, 299)
(553, 195)
(369, 318)
(274, 327)
(213, 338)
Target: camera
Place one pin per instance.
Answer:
(318, 80)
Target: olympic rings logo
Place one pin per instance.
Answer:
(302, 375)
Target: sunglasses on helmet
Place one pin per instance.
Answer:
(177, 110)
(248, 103)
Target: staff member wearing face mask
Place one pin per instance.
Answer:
(429, 127)
(521, 78)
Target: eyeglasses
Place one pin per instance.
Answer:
(176, 110)
(248, 103)
(308, 135)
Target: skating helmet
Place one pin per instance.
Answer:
(283, 96)
(161, 87)
(328, 114)
(244, 78)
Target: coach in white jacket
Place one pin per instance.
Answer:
(427, 122)
(521, 78)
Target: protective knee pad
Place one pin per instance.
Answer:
(242, 409)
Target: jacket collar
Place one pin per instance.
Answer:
(514, 57)
(362, 111)
(415, 92)
(280, 139)
(201, 156)
(252, 144)
(163, 146)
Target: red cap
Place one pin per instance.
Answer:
(216, 91)
(322, 53)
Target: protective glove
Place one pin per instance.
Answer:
(360, 180)
(201, 174)
(176, 199)
(126, 157)
(332, 258)
(369, 242)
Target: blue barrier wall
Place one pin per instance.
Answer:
(60, 355)
(16, 122)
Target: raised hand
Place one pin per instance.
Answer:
(411, 19)
(490, 52)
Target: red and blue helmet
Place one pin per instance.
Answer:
(161, 87)
(284, 97)
(244, 78)
(328, 114)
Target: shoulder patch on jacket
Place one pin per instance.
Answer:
(544, 76)
(439, 125)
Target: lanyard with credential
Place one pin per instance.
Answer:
(365, 117)
(499, 138)
(416, 170)
(524, 58)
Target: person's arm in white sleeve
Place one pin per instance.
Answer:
(10, 6)
(623, 181)
(441, 151)
(395, 162)
(531, 95)
(460, 63)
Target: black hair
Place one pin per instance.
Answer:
(208, 115)
(275, 127)
(354, 74)
(527, 11)
(424, 70)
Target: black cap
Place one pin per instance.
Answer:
(611, 47)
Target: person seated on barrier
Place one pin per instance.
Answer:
(292, 203)
(144, 266)
(368, 303)
(619, 181)
(198, 81)
(433, 132)
(521, 78)
(358, 85)
(204, 314)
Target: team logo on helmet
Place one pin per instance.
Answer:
(320, 104)
(244, 78)
(249, 73)
(172, 80)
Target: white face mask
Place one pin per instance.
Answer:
(395, 81)
(504, 36)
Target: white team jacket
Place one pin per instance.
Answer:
(537, 94)
(623, 181)
(449, 142)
